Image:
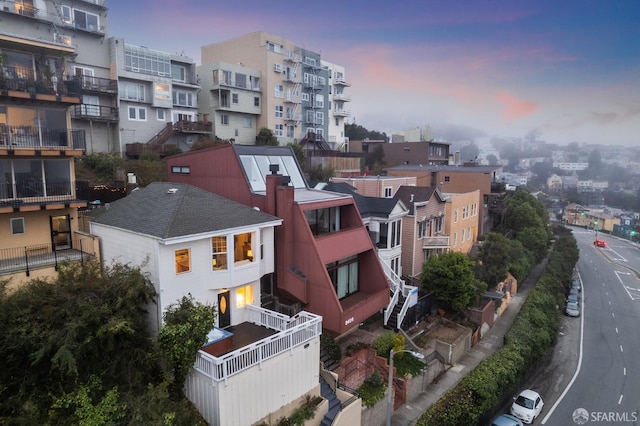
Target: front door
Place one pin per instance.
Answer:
(60, 232)
(224, 311)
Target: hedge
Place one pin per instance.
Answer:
(531, 337)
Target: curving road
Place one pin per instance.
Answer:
(603, 344)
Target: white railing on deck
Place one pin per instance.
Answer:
(292, 332)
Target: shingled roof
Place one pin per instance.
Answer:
(169, 210)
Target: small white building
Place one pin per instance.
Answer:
(191, 241)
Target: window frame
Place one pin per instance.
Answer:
(14, 227)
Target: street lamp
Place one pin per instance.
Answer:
(390, 385)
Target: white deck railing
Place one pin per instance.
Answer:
(292, 332)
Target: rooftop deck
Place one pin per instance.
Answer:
(265, 335)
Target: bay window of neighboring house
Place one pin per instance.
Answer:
(219, 253)
(344, 276)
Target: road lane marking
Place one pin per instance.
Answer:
(620, 400)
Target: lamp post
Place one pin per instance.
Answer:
(390, 385)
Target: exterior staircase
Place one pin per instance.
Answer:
(392, 322)
(334, 403)
(327, 360)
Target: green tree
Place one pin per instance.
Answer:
(299, 153)
(450, 277)
(494, 259)
(266, 137)
(469, 153)
(534, 238)
(56, 334)
(148, 168)
(320, 174)
(374, 160)
(492, 159)
(185, 329)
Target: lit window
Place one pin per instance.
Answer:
(17, 226)
(244, 296)
(183, 260)
(219, 253)
(243, 250)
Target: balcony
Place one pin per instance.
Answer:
(339, 81)
(341, 113)
(24, 80)
(94, 113)
(19, 8)
(438, 241)
(95, 85)
(29, 190)
(26, 259)
(341, 97)
(280, 334)
(24, 138)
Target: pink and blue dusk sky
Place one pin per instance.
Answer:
(566, 71)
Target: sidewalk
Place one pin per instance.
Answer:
(410, 412)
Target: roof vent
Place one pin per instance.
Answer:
(172, 190)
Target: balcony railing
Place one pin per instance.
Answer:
(23, 79)
(94, 112)
(341, 97)
(25, 191)
(90, 84)
(341, 113)
(436, 241)
(19, 8)
(25, 259)
(18, 137)
(292, 332)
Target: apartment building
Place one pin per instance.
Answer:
(325, 261)
(158, 99)
(461, 179)
(38, 139)
(231, 98)
(338, 114)
(461, 220)
(424, 233)
(410, 154)
(296, 85)
(377, 186)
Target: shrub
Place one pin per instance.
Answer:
(329, 344)
(383, 343)
(372, 390)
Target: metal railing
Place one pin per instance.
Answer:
(94, 112)
(35, 191)
(436, 241)
(23, 79)
(27, 258)
(293, 332)
(42, 137)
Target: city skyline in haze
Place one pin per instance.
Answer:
(563, 71)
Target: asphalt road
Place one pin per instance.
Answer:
(593, 376)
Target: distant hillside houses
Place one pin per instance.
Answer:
(571, 166)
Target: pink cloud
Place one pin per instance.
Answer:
(514, 109)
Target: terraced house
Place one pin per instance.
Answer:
(40, 89)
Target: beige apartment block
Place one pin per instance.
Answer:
(462, 219)
(377, 186)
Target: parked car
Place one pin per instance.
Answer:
(572, 298)
(506, 420)
(573, 291)
(577, 284)
(527, 406)
(599, 243)
(572, 309)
